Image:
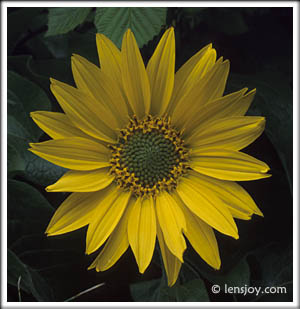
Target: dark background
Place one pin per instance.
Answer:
(258, 42)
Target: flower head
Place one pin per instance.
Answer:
(151, 154)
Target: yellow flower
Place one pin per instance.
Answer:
(151, 153)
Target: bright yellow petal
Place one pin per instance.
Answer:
(233, 133)
(228, 165)
(86, 113)
(115, 246)
(109, 58)
(82, 181)
(207, 206)
(90, 79)
(75, 153)
(210, 87)
(75, 212)
(172, 223)
(161, 70)
(142, 231)
(56, 125)
(233, 195)
(234, 104)
(202, 238)
(217, 109)
(105, 219)
(171, 262)
(190, 73)
(134, 76)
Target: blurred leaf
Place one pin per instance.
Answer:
(23, 66)
(191, 291)
(27, 205)
(63, 46)
(23, 98)
(157, 291)
(238, 276)
(18, 23)
(276, 270)
(145, 22)
(38, 48)
(276, 265)
(37, 170)
(55, 68)
(31, 281)
(14, 161)
(145, 291)
(63, 20)
(274, 100)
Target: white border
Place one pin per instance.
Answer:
(5, 4)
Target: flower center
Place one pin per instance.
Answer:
(149, 157)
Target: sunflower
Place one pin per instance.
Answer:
(150, 153)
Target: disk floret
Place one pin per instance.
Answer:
(150, 156)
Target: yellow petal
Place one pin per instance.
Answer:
(228, 165)
(142, 231)
(217, 109)
(86, 113)
(210, 87)
(56, 125)
(233, 104)
(190, 73)
(233, 195)
(161, 70)
(82, 181)
(96, 83)
(202, 238)
(134, 76)
(75, 153)
(232, 133)
(106, 218)
(172, 223)
(243, 105)
(115, 246)
(207, 206)
(75, 212)
(171, 262)
(109, 58)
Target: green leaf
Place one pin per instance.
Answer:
(238, 276)
(191, 291)
(157, 291)
(31, 282)
(145, 22)
(37, 170)
(276, 264)
(23, 98)
(63, 20)
(28, 211)
(83, 44)
(23, 66)
(145, 291)
(28, 205)
(14, 160)
(275, 268)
